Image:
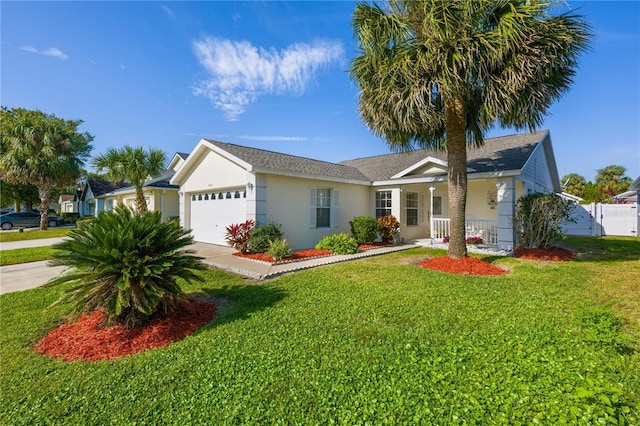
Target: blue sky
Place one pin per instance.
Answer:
(271, 75)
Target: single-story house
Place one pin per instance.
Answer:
(67, 203)
(222, 183)
(630, 196)
(86, 199)
(159, 193)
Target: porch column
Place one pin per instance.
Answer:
(506, 209)
(162, 212)
(181, 208)
(431, 189)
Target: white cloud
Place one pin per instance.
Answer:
(52, 51)
(274, 138)
(240, 72)
(170, 14)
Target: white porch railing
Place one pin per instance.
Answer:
(487, 229)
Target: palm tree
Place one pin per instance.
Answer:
(439, 74)
(42, 150)
(127, 264)
(133, 165)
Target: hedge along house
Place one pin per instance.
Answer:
(159, 193)
(222, 183)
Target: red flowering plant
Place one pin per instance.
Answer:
(238, 235)
(445, 240)
(474, 240)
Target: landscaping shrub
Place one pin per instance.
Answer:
(338, 244)
(364, 229)
(127, 264)
(238, 235)
(70, 217)
(85, 222)
(261, 237)
(279, 249)
(474, 240)
(537, 220)
(389, 225)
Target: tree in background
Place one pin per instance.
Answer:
(574, 184)
(611, 181)
(16, 195)
(133, 165)
(437, 74)
(42, 150)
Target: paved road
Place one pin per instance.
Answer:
(27, 275)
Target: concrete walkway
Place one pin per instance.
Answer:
(34, 274)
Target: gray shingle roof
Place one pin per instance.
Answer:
(497, 154)
(290, 163)
(500, 153)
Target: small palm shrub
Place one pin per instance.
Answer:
(338, 244)
(261, 236)
(237, 235)
(389, 225)
(279, 249)
(364, 229)
(127, 264)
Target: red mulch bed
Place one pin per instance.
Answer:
(304, 254)
(86, 339)
(466, 266)
(555, 254)
(298, 255)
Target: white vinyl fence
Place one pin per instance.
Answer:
(604, 219)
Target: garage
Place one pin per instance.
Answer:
(212, 212)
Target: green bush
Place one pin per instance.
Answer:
(127, 264)
(70, 217)
(364, 229)
(279, 249)
(538, 218)
(261, 236)
(338, 244)
(85, 222)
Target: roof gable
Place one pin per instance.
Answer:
(499, 154)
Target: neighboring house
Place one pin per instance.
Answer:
(222, 183)
(630, 196)
(86, 199)
(67, 203)
(159, 193)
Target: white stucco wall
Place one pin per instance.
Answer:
(214, 171)
(287, 203)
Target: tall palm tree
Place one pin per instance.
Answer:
(440, 73)
(42, 150)
(133, 165)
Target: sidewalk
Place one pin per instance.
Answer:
(30, 275)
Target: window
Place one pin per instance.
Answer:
(383, 203)
(236, 194)
(199, 197)
(228, 195)
(220, 196)
(193, 197)
(206, 196)
(437, 205)
(412, 208)
(323, 208)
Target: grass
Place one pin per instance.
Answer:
(24, 255)
(6, 237)
(378, 341)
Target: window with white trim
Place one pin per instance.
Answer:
(383, 203)
(412, 208)
(323, 207)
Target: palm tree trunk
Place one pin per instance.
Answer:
(457, 176)
(141, 203)
(45, 194)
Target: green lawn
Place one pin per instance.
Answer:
(377, 341)
(24, 255)
(37, 234)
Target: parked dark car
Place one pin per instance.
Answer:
(51, 211)
(26, 220)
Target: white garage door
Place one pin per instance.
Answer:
(212, 212)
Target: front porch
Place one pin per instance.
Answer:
(486, 229)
